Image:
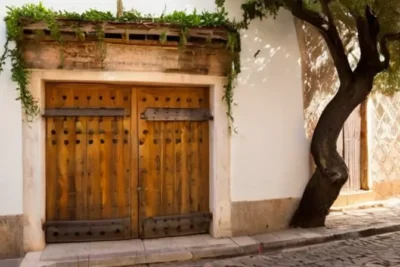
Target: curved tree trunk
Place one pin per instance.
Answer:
(331, 172)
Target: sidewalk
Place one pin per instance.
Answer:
(342, 224)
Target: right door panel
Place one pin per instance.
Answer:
(173, 165)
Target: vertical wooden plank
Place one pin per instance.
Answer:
(126, 149)
(81, 143)
(185, 160)
(156, 177)
(178, 157)
(121, 196)
(357, 150)
(364, 145)
(164, 177)
(62, 166)
(143, 161)
(168, 170)
(123, 156)
(69, 134)
(193, 154)
(61, 98)
(147, 166)
(105, 159)
(159, 98)
(114, 167)
(94, 188)
(203, 141)
(352, 130)
(80, 168)
(134, 135)
(193, 168)
(179, 163)
(51, 171)
(93, 169)
(340, 150)
(51, 96)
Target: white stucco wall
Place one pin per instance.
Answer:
(270, 152)
(10, 138)
(269, 156)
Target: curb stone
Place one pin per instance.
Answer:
(10, 262)
(246, 245)
(327, 237)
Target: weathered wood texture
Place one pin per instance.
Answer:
(349, 147)
(84, 112)
(88, 158)
(126, 32)
(352, 150)
(173, 158)
(89, 55)
(110, 168)
(176, 114)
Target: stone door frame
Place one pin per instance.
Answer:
(34, 137)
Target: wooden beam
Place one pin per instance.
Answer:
(126, 28)
(85, 112)
(176, 114)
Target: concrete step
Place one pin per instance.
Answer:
(10, 262)
(136, 252)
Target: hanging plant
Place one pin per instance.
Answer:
(17, 17)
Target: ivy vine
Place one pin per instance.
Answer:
(17, 17)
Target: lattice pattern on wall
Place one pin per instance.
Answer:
(316, 63)
(384, 137)
(320, 82)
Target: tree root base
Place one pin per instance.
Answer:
(317, 199)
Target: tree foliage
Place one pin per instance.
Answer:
(344, 20)
(17, 17)
(362, 37)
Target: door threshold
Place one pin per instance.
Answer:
(137, 251)
(348, 198)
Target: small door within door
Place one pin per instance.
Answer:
(173, 161)
(349, 146)
(88, 162)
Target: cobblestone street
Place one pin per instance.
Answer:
(382, 250)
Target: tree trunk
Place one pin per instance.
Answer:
(331, 172)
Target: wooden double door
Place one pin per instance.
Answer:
(125, 162)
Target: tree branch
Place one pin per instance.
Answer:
(384, 47)
(327, 11)
(329, 32)
(368, 29)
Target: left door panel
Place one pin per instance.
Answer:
(88, 163)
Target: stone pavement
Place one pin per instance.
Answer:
(10, 262)
(381, 250)
(341, 225)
